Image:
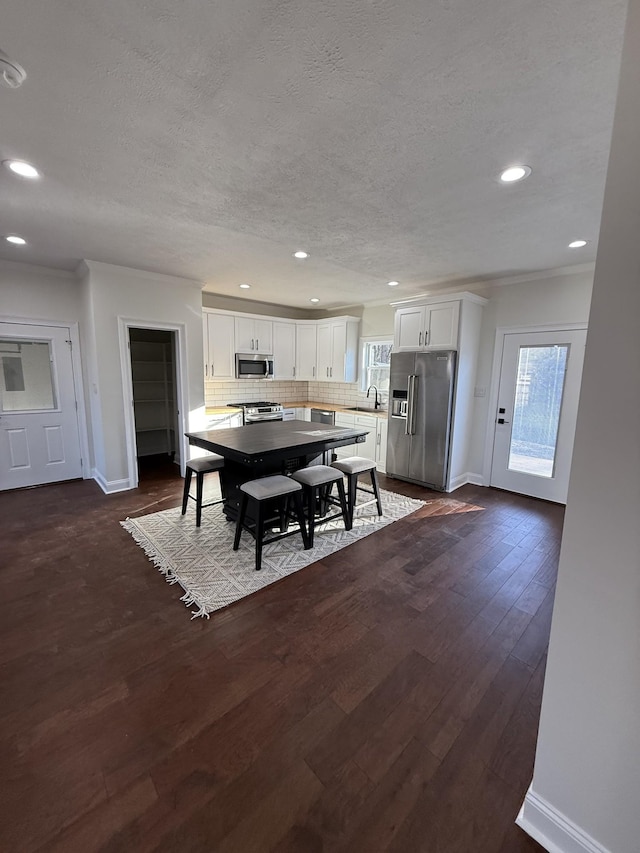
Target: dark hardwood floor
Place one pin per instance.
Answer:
(384, 700)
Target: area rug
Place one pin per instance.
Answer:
(213, 576)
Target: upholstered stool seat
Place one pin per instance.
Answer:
(275, 488)
(200, 467)
(317, 482)
(353, 467)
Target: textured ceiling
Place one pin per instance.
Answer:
(210, 139)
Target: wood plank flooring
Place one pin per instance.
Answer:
(384, 700)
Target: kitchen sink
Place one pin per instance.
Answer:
(368, 409)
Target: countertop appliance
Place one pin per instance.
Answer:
(254, 366)
(420, 408)
(258, 412)
(322, 416)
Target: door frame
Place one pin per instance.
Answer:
(76, 369)
(496, 369)
(124, 324)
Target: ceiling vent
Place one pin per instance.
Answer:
(12, 75)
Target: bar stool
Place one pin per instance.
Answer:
(353, 466)
(275, 487)
(317, 484)
(200, 467)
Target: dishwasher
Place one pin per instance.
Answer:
(322, 416)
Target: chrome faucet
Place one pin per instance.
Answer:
(377, 403)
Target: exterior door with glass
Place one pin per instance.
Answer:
(536, 413)
(39, 436)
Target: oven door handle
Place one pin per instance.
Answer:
(274, 417)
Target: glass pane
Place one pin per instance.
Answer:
(377, 361)
(536, 414)
(26, 382)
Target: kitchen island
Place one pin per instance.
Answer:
(274, 447)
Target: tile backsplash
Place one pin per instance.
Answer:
(219, 393)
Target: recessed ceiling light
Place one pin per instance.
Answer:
(577, 244)
(393, 283)
(19, 167)
(245, 286)
(314, 299)
(515, 173)
(300, 255)
(13, 238)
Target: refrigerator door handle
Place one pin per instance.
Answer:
(411, 405)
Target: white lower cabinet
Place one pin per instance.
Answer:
(288, 414)
(224, 421)
(368, 447)
(303, 414)
(381, 448)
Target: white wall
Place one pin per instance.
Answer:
(548, 301)
(39, 293)
(587, 768)
(111, 292)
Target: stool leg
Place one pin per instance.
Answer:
(376, 490)
(187, 485)
(352, 488)
(297, 502)
(242, 511)
(199, 484)
(259, 534)
(312, 514)
(348, 524)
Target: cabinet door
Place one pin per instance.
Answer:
(284, 350)
(220, 335)
(442, 325)
(205, 344)
(245, 334)
(369, 447)
(324, 361)
(409, 329)
(338, 351)
(381, 452)
(306, 342)
(303, 414)
(351, 449)
(263, 331)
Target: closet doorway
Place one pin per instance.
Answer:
(155, 400)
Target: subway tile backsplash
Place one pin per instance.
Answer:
(219, 393)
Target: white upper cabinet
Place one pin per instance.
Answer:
(306, 343)
(284, 350)
(426, 327)
(253, 335)
(218, 340)
(337, 350)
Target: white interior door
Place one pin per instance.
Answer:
(39, 436)
(536, 414)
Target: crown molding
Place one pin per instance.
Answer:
(50, 272)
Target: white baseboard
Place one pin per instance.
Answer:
(550, 828)
(109, 487)
(463, 479)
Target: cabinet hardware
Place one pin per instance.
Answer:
(294, 370)
(420, 340)
(206, 370)
(257, 345)
(426, 338)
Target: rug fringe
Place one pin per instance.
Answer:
(190, 598)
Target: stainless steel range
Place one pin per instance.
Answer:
(259, 412)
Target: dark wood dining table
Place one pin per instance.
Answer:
(274, 447)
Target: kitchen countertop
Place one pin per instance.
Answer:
(332, 407)
(301, 404)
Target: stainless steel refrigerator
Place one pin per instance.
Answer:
(420, 409)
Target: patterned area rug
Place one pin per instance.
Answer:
(213, 575)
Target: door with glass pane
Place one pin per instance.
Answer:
(39, 437)
(536, 412)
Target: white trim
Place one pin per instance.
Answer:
(496, 367)
(434, 298)
(109, 487)
(78, 384)
(124, 324)
(552, 829)
(467, 478)
(160, 278)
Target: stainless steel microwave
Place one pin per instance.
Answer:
(253, 366)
